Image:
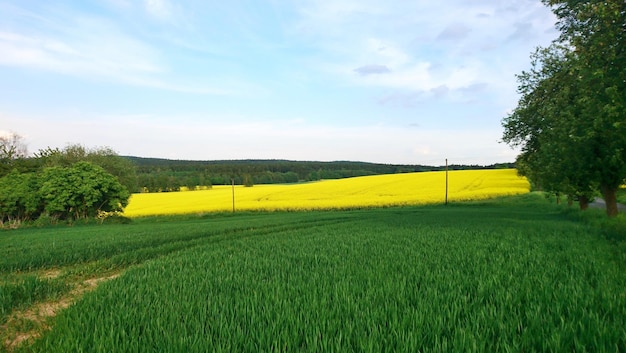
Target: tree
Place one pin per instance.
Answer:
(81, 191)
(247, 180)
(12, 148)
(122, 168)
(571, 118)
(596, 31)
(19, 197)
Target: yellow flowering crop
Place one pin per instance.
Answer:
(379, 190)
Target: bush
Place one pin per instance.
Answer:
(113, 218)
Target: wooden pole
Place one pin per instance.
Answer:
(232, 181)
(446, 181)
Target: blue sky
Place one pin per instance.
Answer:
(411, 82)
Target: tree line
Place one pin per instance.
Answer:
(158, 175)
(76, 182)
(570, 121)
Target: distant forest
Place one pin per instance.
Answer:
(159, 175)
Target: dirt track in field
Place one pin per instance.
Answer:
(37, 316)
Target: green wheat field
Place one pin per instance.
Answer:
(514, 274)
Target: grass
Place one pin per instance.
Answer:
(621, 195)
(511, 274)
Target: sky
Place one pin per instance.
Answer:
(396, 82)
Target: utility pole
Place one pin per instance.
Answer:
(232, 182)
(446, 181)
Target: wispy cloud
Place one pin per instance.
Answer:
(423, 51)
(296, 140)
(93, 48)
(454, 31)
(80, 45)
(226, 79)
(372, 70)
(161, 9)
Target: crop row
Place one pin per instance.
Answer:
(134, 243)
(462, 278)
(86, 251)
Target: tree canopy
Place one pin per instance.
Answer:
(80, 191)
(68, 184)
(122, 168)
(570, 121)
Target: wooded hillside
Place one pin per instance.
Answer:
(156, 174)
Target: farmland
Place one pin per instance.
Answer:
(369, 191)
(509, 274)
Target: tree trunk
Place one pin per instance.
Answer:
(610, 197)
(583, 202)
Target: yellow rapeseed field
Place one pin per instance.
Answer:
(369, 191)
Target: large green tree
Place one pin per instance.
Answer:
(596, 30)
(570, 121)
(547, 124)
(81, 191)
(122, 168)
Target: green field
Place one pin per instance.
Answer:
(513, 274)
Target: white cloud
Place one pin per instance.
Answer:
(284, 139)
(372, 69)
(158, 8)
(89, 46)
(455, 31)
(95, 48)
(385, 51)
(357, 62)
(466, 43)
(4, 133)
